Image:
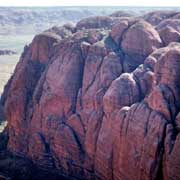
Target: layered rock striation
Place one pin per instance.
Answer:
(100, 100)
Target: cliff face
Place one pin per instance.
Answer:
(102, 103)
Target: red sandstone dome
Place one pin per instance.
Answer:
(101, 101)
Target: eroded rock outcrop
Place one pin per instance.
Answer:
(100, 101)
(127, 33)
(156, 17)
(169, 30)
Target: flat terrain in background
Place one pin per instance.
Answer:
(8, 62)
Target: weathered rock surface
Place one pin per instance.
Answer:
(126, 33)
(169, 30)
(99, 102)
(149, 41)
(95, 22)
(121, 14)
(157, 16)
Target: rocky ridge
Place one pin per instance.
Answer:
(100, 100)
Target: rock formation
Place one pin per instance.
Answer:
(100, 100)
